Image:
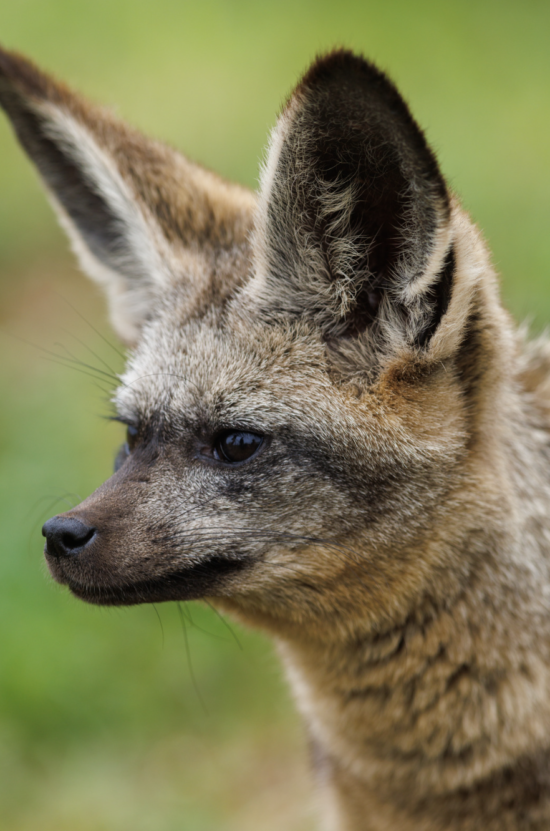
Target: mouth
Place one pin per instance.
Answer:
(199, 580)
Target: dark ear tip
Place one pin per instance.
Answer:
(18, 74)
(340, 63)
(345, 87)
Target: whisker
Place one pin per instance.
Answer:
(106, 392)
(189, 661)
(200, 628)
(78, 362)
(225, 623)
(160, 622)
(50, 353)
(92, 327)
(61, 361)
(91, 351)
(184, 611)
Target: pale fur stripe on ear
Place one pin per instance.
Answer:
(138, 264)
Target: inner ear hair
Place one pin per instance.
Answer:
(352, 206)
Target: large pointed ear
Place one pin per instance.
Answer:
(139, 215)
(353, 227)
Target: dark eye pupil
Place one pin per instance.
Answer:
(237, 446)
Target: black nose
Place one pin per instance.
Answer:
(66, 536)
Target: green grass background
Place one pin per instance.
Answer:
(108, 720)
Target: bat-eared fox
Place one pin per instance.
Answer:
(335, 433)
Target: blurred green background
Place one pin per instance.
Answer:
(138, 719)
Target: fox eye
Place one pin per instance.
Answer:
(237, 446)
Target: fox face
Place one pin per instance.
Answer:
(304, 391)
(233, 484)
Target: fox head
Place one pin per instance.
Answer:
(313, 373)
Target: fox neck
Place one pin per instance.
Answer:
(425, 719)
(409, 719)
(437, 706)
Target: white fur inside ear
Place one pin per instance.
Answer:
(473, 269)
(141, 266)
(257, 286)
(411, 289)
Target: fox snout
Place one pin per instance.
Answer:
(66, 536)
(72, 549)
(112, 549)
(90, 547)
